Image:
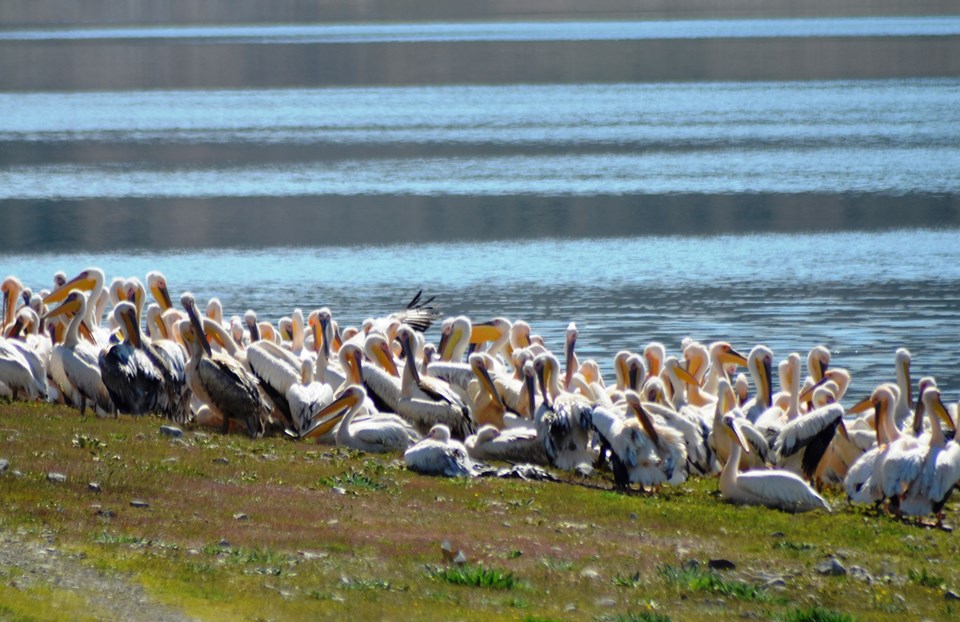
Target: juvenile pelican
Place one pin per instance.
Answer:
(517, 445)
(223, 384)
(773, 488)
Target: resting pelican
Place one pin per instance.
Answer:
(516, 445)
(307, 397)
(381, 378)
(28, 353)
(700, 459)
(563, 419)
(223, 384)
(426, 401)
(138, 378)
(866, 481)
(75, 363)
(633, 457)
(437, 454)
(773, 488)
(454, 338)
(157, 284)
(90, 281)
(654, 354)
(722, 354)
(488, 407)
(377, 434)
(941, 465)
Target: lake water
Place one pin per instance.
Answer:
(789, 211)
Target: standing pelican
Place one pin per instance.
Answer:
(773, 488)
(75, 363)
(137, 376)
(222, 383)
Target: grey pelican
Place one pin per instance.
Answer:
(138, 378)
(437, 454)
(773, 488)
(222, 383)
(426, 401)
(563, 419)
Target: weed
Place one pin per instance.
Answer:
(643, 616)
(698, 580)
(353, 480)
(627, 581)
(475, 576)
(786, 545)
(815, 614)
(922, 577)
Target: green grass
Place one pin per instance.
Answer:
(261, 529)
(815, 614)
(696, 579)
(475, 576)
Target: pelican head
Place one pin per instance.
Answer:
(440, 433)
(157, 284)
(190, 305)
(818, 360)
(90, 280)
(730, 427)
(654, 354)
(932, 401)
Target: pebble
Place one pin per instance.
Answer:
(94, 487)
(224, 542)
(776, 582)
(721, 564)
(240, 516)
(220, 460)
(138, 503)
(171, 431)
(106, 513)
(4, 464)
(590, 573)
(861, 574)
(58, 478)
(951, 595)
(831, 568)
(606, 602)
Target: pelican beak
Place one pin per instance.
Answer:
(326, 419)
(807, 394)
(941, 412)
(161, 294)
(483, 375)
(842, 429)
(131, 328)
(83, 281)
(765, 375)
(191, 307)
(729, 356)
(736, 434)
(71, 305)
(861, 406)
(685, 376)
(357, 360)
(645, 421)
(483, 332)
(324, 321)
(385, 356)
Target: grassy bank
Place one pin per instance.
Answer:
(234, 529)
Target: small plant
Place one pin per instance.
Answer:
(698, 580)
(643, 616)
(922, 577)
(475, 576)
(786, 545)
(815, 614)
(354, 480)
(627, 581)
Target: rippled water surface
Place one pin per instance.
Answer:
(790, 211)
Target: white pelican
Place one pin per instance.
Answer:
(24, 351)
(516, 445)
(75, 363)
(437, 454)
(773, 488)
(760, 363)
(138, 377)
(157, 284)
(454, 338)
(90, 281)
(426, 401)
(904, 408)
(633, 457)
(807, 438)
(381, 378)
(563, 419)
(377, 434)
(721, 442)
(700, 459)
(306, 398)
(722, 355)
(488, 406)
(223, 384)
(941, 465)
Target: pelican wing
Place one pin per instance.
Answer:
(233, 392)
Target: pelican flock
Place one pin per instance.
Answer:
(490, 390)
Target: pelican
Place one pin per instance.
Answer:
(722, 354)
(75, 363)
(157, 284)
(563, 420)
(222, 383)
(138, 378)
(90, 281)
(904, 407)
(426, 401)
(773, 488)
(633, 458)
(760, 362)
(941, 465)
(699, 457)
(488, 406)
(437, 454)
(24, 353)
(381, 378)
(378, 434)
(454, 338)
(517, 445)
(307, 398)
(721, 442)
(654, 354)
